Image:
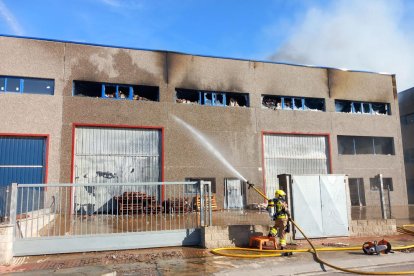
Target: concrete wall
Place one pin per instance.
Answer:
(6, 244)
(236, 131)
(239, 235)
(373, 227)
(34, 114)
(230, 236)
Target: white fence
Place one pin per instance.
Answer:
(62, 215)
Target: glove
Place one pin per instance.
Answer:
(287, 230)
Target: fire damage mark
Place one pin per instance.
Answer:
(186, 71)
(107, 175)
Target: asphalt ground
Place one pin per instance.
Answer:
(198, 261)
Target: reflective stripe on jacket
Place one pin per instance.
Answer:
(281, 207)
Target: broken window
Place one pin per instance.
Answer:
(272, 102)
(380, 108)
(314, 104)
(343, 106)
(219, 99)
(356, 107)
(208, 98)
(357, 191)
(365, 145)
(27, 85)
(292, 103)
(386, 184)
(187, 96)
(124, 92)
(286, 103)
(374, 184)
(146, 93)
(211, 98)
(115, 91)
(237, 99)
(366, 108)
(109, 91)
(298, 103)
(87, 89)
(361, 107)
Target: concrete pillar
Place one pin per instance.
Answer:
(6, 244)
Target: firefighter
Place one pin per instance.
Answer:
(281, 217)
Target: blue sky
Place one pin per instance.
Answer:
(233, 28)
(371, 35)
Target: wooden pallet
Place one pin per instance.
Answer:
(206, 201)
(137, 203)
(178, 205)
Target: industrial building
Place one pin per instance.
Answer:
(81, 113)
(406, 104)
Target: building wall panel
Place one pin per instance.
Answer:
(22, 160)
(293, 154)
(105, 155)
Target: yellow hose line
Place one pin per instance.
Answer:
(276, 253)
(314, 251)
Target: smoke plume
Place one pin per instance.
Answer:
(358, 35)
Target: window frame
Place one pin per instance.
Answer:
(387, 184)
(134, 91)
(358, 182)
(21, 86)
(358, 107)
(210, 98)
(341, 139)
(292, 100)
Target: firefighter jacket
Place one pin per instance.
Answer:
(281, 208)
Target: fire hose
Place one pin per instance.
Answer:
(313, 250)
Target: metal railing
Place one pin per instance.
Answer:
(53, 210)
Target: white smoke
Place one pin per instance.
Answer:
(364, 35)
(10, 19)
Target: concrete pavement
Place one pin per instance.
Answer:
(197, 261)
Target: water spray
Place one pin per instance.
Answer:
(203, 140)
(251, 185)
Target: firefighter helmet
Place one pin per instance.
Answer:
(280, 193)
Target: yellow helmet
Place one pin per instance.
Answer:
(280, 193)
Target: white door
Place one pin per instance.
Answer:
(306, 203)
(233, 194)
(319, 205)
(334, 207)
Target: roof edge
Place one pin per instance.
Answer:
(190, 54)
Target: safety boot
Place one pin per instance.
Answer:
(285, 254)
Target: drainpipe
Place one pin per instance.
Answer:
(383, 210)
